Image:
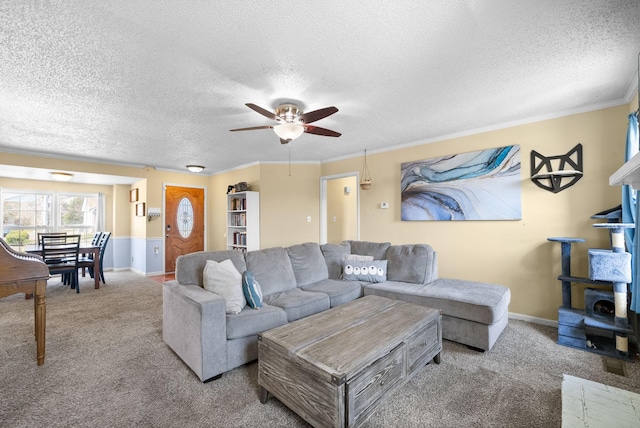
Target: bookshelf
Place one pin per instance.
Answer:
(243, 221)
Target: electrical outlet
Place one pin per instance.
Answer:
(131, 259)
(384, 205)
(308, 219)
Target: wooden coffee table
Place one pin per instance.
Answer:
(334, 368)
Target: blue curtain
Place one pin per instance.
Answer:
(631, 211)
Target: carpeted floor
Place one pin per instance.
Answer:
(107, 366)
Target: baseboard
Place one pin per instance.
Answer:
(154, 273)
(130, 269)
(139, 272)
(535, 320)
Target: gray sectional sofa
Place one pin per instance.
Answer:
(305, 279)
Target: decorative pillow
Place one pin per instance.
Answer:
(358, 257)
(251, 289)
(376, 249)
(370, 271)
(224, 279)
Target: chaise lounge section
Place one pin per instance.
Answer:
(473, 313)
(308, 278)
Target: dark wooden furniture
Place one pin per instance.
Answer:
(97, 271)
(97, 263)
(88, 250)
(334, 368)
(41, 234)
(86, 260)
(26, 273)
(60, 254)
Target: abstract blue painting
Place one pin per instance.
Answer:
(481, 185)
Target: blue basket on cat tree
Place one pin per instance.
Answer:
(603, 326)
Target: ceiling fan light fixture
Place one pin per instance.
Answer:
(60, 176)
(288, 131)
(195, 168)
(292, 122)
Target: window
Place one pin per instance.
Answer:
(185, 218)
(27, 213)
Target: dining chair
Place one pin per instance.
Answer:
(41, 234)
(86, 261)
(54, 236)
(65, 278)
(104, 239)
(60, 253)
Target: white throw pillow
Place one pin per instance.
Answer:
(358, 257)
(224, 279)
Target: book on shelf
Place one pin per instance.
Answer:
(238, 219)
(240, 238)
(238, 204)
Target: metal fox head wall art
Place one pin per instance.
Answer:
(556, 173)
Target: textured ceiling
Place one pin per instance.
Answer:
(160, 83)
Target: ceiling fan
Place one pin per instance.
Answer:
(293, 122)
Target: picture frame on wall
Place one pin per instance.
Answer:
(140, 209)
(133, 195)
(479, 185)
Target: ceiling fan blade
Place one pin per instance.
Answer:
(312, 116)
(266, 113)
(252, 128)
(310, 129)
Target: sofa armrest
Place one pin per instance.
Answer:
(194, 325)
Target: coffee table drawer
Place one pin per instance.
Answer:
(424, 345)
(364, 390)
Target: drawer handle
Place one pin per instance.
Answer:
(381, 382)
(424, 343)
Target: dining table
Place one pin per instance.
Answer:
(84, 249)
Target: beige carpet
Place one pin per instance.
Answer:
(107, 366)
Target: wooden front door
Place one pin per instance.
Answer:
(184, 223)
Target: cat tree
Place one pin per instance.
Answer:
(602, 327)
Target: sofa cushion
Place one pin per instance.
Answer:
(249, 322)
(298, 303)
(272, 268)
(339, 291)
(333, 255)
(410, 263)
(251, 289)
(369, 271)
(190, 267)
(224, 279)
(308, 263)
(475, 301)
(376, 249)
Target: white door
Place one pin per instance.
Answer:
(339, 208)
